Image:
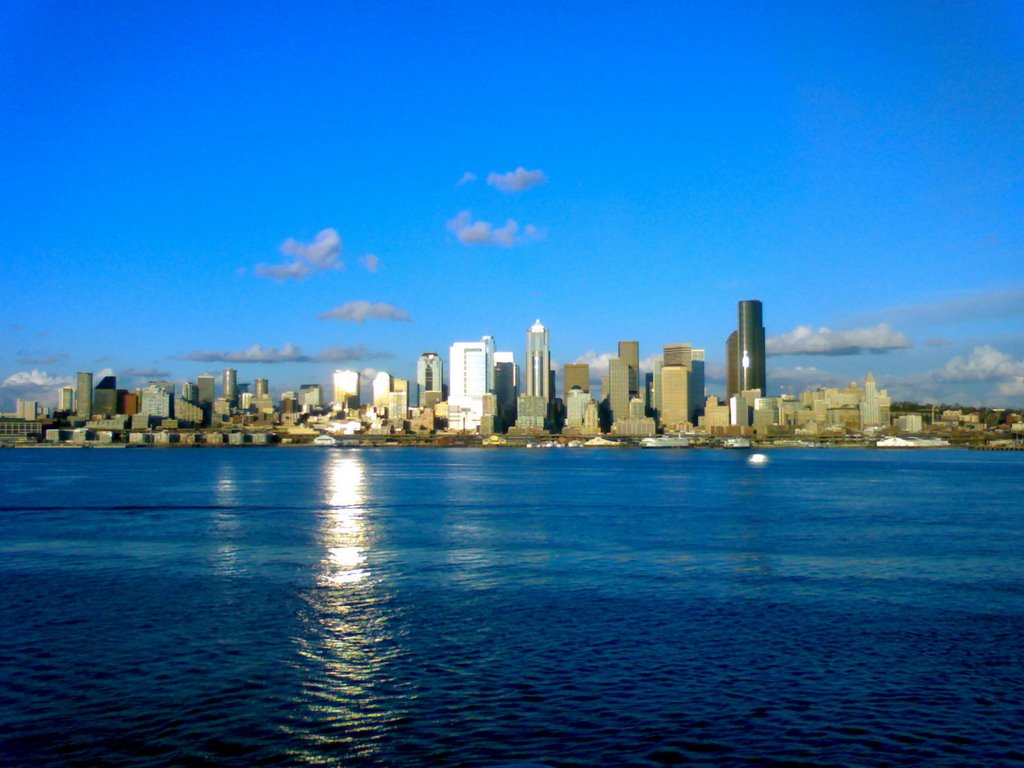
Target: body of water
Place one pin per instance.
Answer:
(459, 607)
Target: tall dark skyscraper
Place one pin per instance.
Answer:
(104, 397)
(750, 347)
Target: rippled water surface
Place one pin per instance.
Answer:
(408, 607)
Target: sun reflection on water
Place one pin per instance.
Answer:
(348, 698)
(344, 532)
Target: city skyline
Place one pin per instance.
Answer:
(426, 176)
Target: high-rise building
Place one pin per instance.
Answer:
(311, 396)
(155, 400)
(575, 375)
(104, 397)
(189, 392)
(538, 362)
(697, 394)
(66, 399)
(429, 377)
(750, 347)
(83, 395)
(629, 352)
(675, 397)
(230, 385)
(506, 389)
(207, 385)
(381, 389)
(618, 389)
(346, 390)
(870, 410)
(471, 371)
(262, 388)
(732, 365)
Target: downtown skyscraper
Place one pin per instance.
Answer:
(744, 351)
(538, 362)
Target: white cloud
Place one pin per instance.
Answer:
(518, 180)
(35, 378)
(1013, 388)
(467, 178)
(985, 363)
(472, 232)
(804, 340)
(28, 357)
(360, 311)
(370, 262)
(34, 385)
(324, 253)
(289, 353)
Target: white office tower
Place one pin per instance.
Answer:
(346, 390)
(66, 399)
(538, 362)
(381, 390)
(471, 376)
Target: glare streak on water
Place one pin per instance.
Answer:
(473, 607)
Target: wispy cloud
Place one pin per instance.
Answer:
(324, 253)
(964, 307)
(518, 180)
(472, 232)
(467, 178)
(800, 378)
(29, 357)
(361, 311)
(805, 340)
(289, 353)
(370, 262)
(143, 373)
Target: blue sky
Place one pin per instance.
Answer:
(186, 187)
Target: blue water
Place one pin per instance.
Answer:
(458, 607)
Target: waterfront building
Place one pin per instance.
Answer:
(716, 415)
(187, 411)
(429, 377)
(104, 397)
(538, 362)
(230, 385)
(346, 390)
(83, 395)
(471, 368)
(629, 353)
(26, 409)
(532, 413)
(576, 402)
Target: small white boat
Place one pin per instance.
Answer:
(325, 441)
